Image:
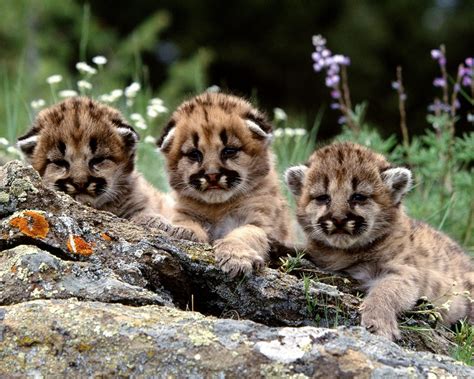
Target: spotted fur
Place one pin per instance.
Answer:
(87, 150)
(349, 204)
(222, 171)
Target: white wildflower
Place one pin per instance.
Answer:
(279, 114)
(37, 104)
(137, 117)
(141, 125)
(4, 141)
(106, 98)
(13, 150)
(289, 132)
(54, 79)
(150, 139)
(156, 101)
(300, 132)
(213, 88)
(99, 60)
(470, 117)
(84, 68)
(155, 108)
(116, 93)
(132, 89)
(84, 84)
(68, 93)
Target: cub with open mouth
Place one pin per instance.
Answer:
(222, 171)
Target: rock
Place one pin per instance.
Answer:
(70, 338)
(54, 252)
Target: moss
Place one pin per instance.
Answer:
(198, 252)
(201, 337)
(4, 197)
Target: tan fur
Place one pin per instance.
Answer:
(235, 202)
(398, 260)
(86, 149)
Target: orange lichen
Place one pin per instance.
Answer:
(106, 237)
(77, 245)
(14, 269)
(33, 225)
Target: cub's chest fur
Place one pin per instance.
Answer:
(224, 226)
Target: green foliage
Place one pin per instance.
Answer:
(464, 338)
(290, 263)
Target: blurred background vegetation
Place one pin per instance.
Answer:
(250, 47)
(260, 49)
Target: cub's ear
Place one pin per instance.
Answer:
(259, 125)
(294, 177)
(129, 135)
(398, 180)
(167, 136)
(27, 143)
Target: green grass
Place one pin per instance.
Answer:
(464, 338)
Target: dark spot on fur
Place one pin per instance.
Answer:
(223, 136)
(325, 183)
(188, 108)
(260, 120)
(340, 157)
(62, 147)
(355, 183)
(206, 115)
(170, 125)
(93, 145)
(195, 140)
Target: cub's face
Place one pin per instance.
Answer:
(82, 148)
(216, 147)
(348, 196)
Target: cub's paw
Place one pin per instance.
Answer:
(236, 258)
(381, 322)
(182, 233)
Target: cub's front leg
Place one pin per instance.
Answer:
(389, 296)
(159, 222)
(189, 229)
(242, 250)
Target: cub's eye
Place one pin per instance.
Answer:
(229, 152)
(194, 155)
(358, 198)
(96, 161)
(60, 163)
(323, 199)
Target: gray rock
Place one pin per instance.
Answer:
(78, 338)
(54, 252)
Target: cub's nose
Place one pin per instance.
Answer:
(339, 222)
(214, 177)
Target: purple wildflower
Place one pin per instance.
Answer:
(342, 120)
(469, 62)
(439, 82)
(335, 106)
(436, 54)
(395, 85)
(335, 94)
(466, 81)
